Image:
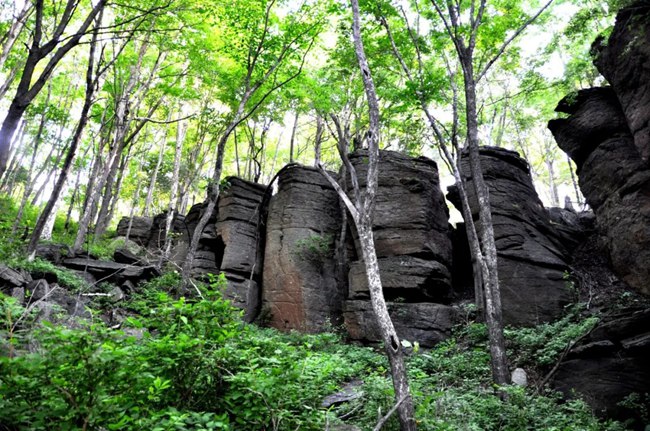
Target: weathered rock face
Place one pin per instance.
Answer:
(413, 245)
(157, 236)
(140, 229)
(613, 177)
(410, 228)
(531, 258)
(205, 261)
(426, 323)
(609, 364)
(301, 290)
(238, 242)
(625, 61)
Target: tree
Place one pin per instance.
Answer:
(361, 207)
(266, 55)
(58, 45)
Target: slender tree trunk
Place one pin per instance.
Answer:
(318, 139)
(154, 175)
(29, 185)
(9, 39)
(181, 130)
(293, 137)
(18, 154)
(493, 313)
(576, 189)
(9, 80)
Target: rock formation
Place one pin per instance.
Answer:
(607, 134)
(301, 289)
(413, 245)
(238, 253)
(531, 258)
(609, 364)
(625, 62)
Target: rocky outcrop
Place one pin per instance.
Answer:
(205, 261)
(425, 323)
(531, 258)
(413, 244)
(138, 229)
(157, 233)
(613, 177)
(301, 290)
(609, 364)
(625, 61)
(238, 253)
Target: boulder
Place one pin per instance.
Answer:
(532, 260)
(613, 177)
(624, 60)
(59, 306)
(12, 277)
(609, 364)
(112, 271)
(52, 252)
(301, 289)
(123, 255)
(139, 231)
(426, 323)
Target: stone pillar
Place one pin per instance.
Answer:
(301, 290)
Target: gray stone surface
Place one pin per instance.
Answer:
(140, 229)
(614, 179)
(12, 278)
(625, 61)
(426, 323)
(609, 364)
(301, 290)
(532, 259)
(238, 240)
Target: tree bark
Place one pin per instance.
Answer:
(493, 313)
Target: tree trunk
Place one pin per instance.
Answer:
(154, 175)
(293, 138)
(181, 130)
(9, 39)
(493, 312)
(28, 88)
(318, 140)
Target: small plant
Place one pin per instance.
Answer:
(314, 248)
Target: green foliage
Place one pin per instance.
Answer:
(542, 345)
(314, 248)
(189, 363)
(66, 278)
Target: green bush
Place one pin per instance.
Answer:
(190, 363)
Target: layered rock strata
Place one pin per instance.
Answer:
(531, 258)
(413, 244)
(237, 252)
(301, 289)
(625, 61)
(613, 177)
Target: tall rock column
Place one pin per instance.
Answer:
(413, 244)
(301, 290)
(237, 245)
(625, 61)
(613, 177)
(531, 259)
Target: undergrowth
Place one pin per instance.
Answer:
(191, 364)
